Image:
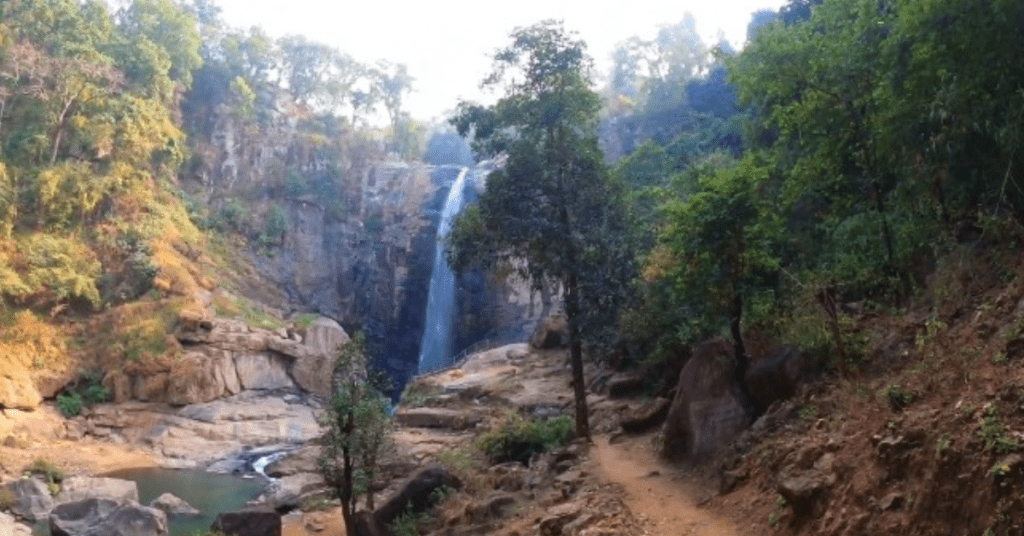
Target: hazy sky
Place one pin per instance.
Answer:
(446, 44)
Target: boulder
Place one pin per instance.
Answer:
(174, 506)
(8, 526)
(257, 522)
(707, 412)
(553, 332)
(78, 488)
(777, 375)
(557, 517)
(312, 372)
(106, 517)
(32, 499)
(151, 387)
(416, 495)
(288, 491)
(325, 336)
(17, 389)
(647, 416)
(450, 419)
(303, 460)
(262, 371)
(806, 488)
(625, 386)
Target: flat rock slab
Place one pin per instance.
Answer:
(437, 418)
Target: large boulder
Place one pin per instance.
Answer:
(32, 499)
(262, 371)
(325, 336)
(416, 494)
(707, 411)
(777, 375)
(17, 390)
(553, 332)
(262, 522)
(303, 460)
(8, 526)
(174, 506)
(107, 517)
(78, 488)
(312, 370)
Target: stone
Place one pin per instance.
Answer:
(106, 517)
(174, 506)
(312, 372)
(18, 390)
(647, 416)
(778, 375)
(257, 522)
(806, 489)
(892, 501)
(557, 517)
(416, 494)
(8, 526)
(262, 371)
(78, 488)
(450, 419)
(303, 460)
(495, 506)
(325, 336)
(151, 387)
(706, 413)
(553, 332)
(288, 491)
(625, 386)
(32, 498)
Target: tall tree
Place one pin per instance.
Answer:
(552, 203)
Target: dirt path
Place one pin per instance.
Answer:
(666, 505)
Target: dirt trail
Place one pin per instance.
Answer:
(666, 505)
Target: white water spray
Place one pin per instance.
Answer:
(435, 348)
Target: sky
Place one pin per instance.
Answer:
(447, 44)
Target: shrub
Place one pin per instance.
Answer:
(70, 403)
(897, 397)
(47, 469)
(518, 439)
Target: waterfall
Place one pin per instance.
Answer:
(435, 348)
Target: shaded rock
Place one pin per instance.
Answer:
(777, 375)
(152, 387)
(557, 517)
(416, 494)
(9, 526)
(625, 386)
(261, 522)
(806, 489)
(707, 412)
(892, 501)
(647, 416)
(553, 332)
(510, 477)
(105, 517)
(174, 506)
(32, 499)
(494, 506)
(262, 371)
(303, 460)
(78, 488)
(436, 418)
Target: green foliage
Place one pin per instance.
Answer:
(994, 434)
(70, 404)
(357, 429)
(897, 397)
(275, 224)
(47, 469)
(518, 439)
(304, 320)
(407, 523)
(419, 394)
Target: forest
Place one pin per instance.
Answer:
(837, 157)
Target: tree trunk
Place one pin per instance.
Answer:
(576, 357)
(742, 360)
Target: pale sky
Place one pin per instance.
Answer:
(447, 44)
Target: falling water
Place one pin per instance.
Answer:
(435, 349)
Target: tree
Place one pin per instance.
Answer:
(357, 430)
(552, 203)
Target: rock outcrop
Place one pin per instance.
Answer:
(225, 357)
(107, 517)
(707, 411)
